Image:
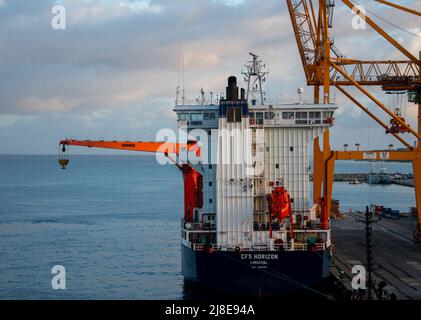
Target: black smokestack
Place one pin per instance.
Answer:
(232, 89)
(243, 94)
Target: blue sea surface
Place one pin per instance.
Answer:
(113, 222)
(357, 197)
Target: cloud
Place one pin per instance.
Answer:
(230, 2)
(113, 71)
(141, 6)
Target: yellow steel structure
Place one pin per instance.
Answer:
(394, 5)
(324, 66)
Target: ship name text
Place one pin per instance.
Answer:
(259, 256)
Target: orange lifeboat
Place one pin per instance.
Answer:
(279, 203)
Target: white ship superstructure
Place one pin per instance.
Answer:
(260, 145)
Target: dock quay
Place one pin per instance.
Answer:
(396, 257)
(345, 177)
(403, 182)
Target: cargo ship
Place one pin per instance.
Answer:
(252, 230)
(381, 177)
(248, 227)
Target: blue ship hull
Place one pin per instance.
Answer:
(256, 272)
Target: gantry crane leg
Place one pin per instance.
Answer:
(329, 165)
(323, 174)
(318, 171)
(416, 164)
(417, 182)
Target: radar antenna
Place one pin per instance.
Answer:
(254, 75)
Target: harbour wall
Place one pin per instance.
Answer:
(400, 179)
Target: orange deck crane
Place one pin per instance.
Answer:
(161, 147)
(193, 180)
(325, 66)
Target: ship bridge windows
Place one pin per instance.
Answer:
(269, 115)
(196, 119)
(287, 115)
(301, 117)
(183, 116)
(252, 116)
(234, 115)
(209, 116)
(259, 117)
(314, 117)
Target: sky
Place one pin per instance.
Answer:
(113, 72)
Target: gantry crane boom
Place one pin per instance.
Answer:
(391, 75)
(379, 30)
(308, 34)
(396, 6)
(380, 155)
(324, 66)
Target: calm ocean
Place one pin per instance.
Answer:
(113, 223)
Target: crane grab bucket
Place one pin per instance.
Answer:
(63, 157)
(63, 163)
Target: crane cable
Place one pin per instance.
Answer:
(369, 162)
(403, 103)
(390, 23)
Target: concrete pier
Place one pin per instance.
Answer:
(403, 179)
(397, 259)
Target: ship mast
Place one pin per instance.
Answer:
(254, 75)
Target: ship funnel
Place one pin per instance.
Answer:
(232, 89)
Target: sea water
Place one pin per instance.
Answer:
(113, 223)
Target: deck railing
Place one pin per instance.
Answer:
(192, 226)
(257, 248)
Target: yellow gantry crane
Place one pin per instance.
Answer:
(394, 5)
(325, 66)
